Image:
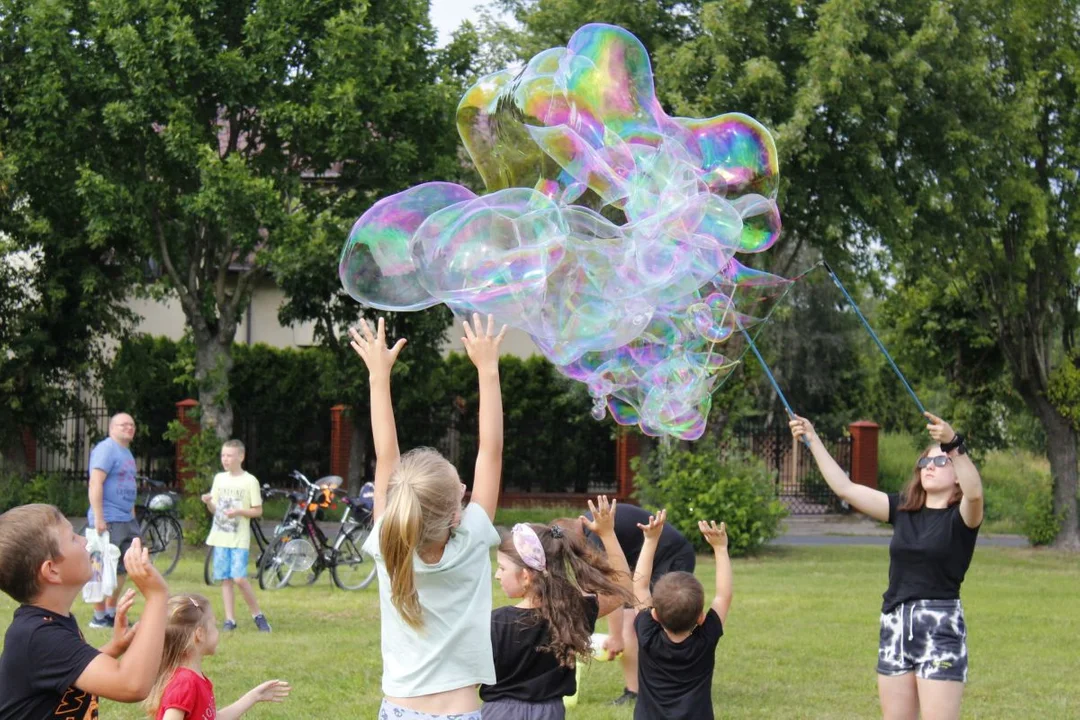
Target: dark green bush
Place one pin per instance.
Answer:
(52, 489)
(698, 483)
(1041, 524)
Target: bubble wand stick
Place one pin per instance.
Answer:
(768, 373)
(870, 330)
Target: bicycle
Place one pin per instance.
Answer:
(256, 530)
(162, 533)
(300, 545)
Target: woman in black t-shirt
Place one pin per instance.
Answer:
(922, 652)
(563, 586)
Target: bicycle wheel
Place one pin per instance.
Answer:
(354, 569)
(274, 572)
(164, 538)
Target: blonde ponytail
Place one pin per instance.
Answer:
(422, 503)
(398, 540)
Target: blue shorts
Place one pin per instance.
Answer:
(230, 563)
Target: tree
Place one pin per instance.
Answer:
(931, 147)
(203, 135)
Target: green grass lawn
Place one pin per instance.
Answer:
(800, 643)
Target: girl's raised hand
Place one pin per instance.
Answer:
(940, 430)
(603, 516)
(271, 691)
(482, 345)
(371, 346)
(655, 527)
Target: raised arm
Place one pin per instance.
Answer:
(866, 500)
(602, 525)
(717, 538)
(371, 346)
(130, 678)
(971, 506)
(643, 571)
(482, 347)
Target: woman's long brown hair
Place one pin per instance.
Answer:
(913, 495)
(573, 570)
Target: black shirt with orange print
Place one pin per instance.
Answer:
(44, 654)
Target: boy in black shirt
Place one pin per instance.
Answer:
(677, 637)
(47, 670)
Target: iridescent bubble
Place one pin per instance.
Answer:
(609, 233)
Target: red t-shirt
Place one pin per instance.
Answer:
(191, 692)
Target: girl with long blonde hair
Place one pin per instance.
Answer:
(432, 557)
(182, 691)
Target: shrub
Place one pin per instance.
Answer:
(1041, 524)
(700, 484)
(70, 496)
(202, 454)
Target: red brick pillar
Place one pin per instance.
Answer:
(340, 440)
(29, 443)
(864, 452)
(185, 410)
(627, 447)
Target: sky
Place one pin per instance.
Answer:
(446, 16)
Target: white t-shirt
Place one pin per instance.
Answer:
(453, 649)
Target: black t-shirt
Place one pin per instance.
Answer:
(44, 654)
(929, 554)
(631, 538)
(675, 679)
(523, 672)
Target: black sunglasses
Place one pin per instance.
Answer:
(938, 460)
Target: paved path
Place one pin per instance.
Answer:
(857, 529)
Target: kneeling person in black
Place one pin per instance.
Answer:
(674, 553)
(677, 635)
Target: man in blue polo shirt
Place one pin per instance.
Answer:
(112, 502)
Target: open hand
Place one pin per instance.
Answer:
(482, 345)
(715, 536)
(371, 346)
(655, 526)
(142, 572)
(122, 633)
(271, 691)
(603, 516)
(940, 430)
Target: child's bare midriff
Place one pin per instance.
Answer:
(462, 700)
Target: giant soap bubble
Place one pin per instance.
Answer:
(609, 233)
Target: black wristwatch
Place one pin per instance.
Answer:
(956, 444)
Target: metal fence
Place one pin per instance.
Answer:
(799, 484)
(69, 454)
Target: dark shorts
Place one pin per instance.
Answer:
(684, 560)
(927, 637)
(510, 709)
(121, 534)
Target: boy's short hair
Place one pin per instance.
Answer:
(234, 443)
(27, 540)
(678, 599)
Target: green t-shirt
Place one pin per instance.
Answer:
(233, 492)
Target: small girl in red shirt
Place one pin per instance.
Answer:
(181, 691)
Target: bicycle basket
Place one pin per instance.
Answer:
(298, 555)
(162, 502)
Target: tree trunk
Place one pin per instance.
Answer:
(213, 361)
(1061, 449)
